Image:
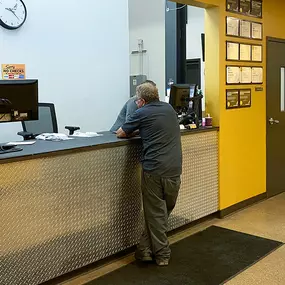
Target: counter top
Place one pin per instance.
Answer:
(107, 140)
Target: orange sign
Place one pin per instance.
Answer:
(13, 71)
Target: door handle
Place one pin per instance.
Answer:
(272, 121)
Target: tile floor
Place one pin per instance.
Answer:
(265, 219)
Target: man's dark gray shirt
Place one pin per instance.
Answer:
(160, 133)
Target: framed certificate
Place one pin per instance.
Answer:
(232, 51)
(245, 75)
(245, 52)
(244, 98)
(256, 31)
(257, 75)
(244, 6)
(245, 29)
(256, 8)
(232, 99)
(232, 26)
(233, 74)
(232, 5)
(256, 53)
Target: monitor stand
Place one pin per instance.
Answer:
(9, 148)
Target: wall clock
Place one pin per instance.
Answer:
(13, 14)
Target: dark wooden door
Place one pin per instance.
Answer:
(275, 116)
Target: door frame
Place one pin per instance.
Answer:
(268, 40)
(181, 40)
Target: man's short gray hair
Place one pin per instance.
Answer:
(148, 92)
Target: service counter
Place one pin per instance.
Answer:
(68, 204)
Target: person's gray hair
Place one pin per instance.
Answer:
(150, 82)
(148, 92)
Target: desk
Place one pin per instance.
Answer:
(68, 204)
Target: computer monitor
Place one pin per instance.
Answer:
(18, 100)
(186, 101)
(179, 97)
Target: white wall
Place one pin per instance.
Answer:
(196, 27)
(79, 51)
(147, 22)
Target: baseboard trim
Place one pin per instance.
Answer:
(241, 205)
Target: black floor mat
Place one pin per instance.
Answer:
(210, 257)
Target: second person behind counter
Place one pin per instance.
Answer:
(128, 109)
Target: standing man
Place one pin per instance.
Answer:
(128, 109)
(162, 166)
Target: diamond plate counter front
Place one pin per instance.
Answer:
(63, 212)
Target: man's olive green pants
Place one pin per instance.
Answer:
(159, 199)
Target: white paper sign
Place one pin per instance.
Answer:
(256, 31)
(232, 51)
(257, 75)
(232, 26)
(257, 53)
(245, 29)
(245, 52)
(233, 74)
(245, 75)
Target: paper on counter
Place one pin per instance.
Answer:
(53, 137)
(21, 143)
(85, 135)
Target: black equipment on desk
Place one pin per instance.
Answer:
(192, 116)
(18, 100)
(186, 101)
(47, 123)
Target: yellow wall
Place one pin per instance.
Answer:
(274, 18)
(242, 131)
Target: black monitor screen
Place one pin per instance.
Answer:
(18, 100)
(179, 97)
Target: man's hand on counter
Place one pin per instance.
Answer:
(121, 134)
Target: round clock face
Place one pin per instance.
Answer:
(13, 14)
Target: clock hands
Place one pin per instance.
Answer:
(12, 11)
(19, 11)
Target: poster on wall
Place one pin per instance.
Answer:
(256, 31)
(245, 6)
(256, 8)
(232, 27)
(233, 75)
(232, 5)
(245, 52)
(257, 75)
(245, 98)
(257, 53)
(245, 29)
(245, 75)
(232, 51)
(232, 99)
(13, 71)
